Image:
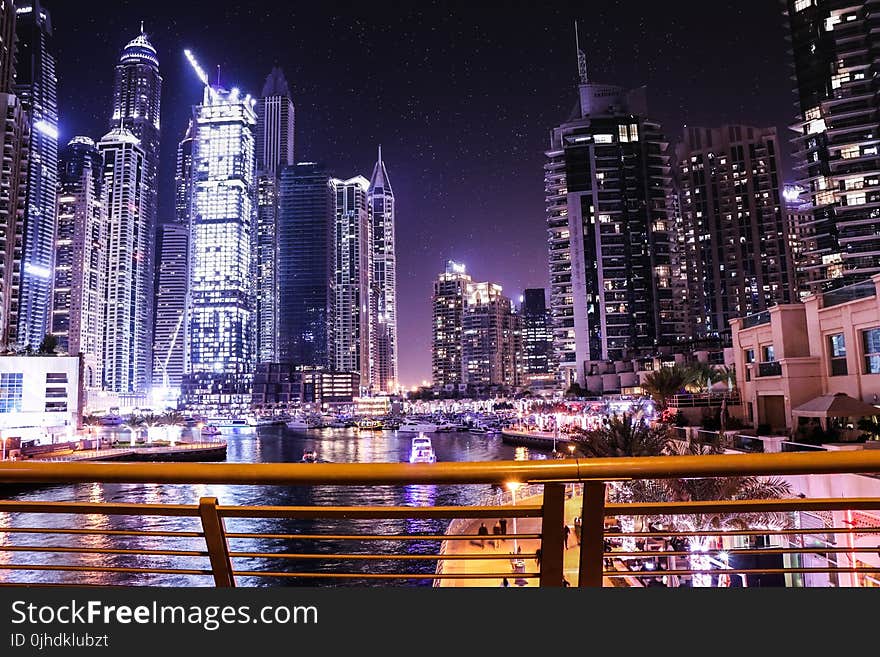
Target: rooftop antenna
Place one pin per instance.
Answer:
(218, 75)
(142, 27)
(581, 57)
(380, 152)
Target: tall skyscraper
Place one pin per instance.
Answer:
(609, 224)
(537, 336)
(274, 144)
(736, 232)
(450, 290)
(79, 291)
(834, 44)
(172, 277)
(491, 337)
(352, 311)
(222, 213)
(36, 88)
(15, 145)
(127, 275)
(306, 265)
(137, 94)
(383, 343)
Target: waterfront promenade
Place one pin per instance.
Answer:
(179, 452)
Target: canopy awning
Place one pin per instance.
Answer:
(837, 405)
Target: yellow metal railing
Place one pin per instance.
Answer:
(87, 552)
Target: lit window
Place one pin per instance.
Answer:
(837, 354)
(604, 139)
(871, 342)
(10, 392)
(849, 152)
(633, 132)
(622, 133)
(813, 113)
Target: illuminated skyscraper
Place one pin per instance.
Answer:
(220, 313)
(491, 338)
(36, 88)
(128, 276)
(737, 244)
(274, 144)
(537, 336)
(81, 258)
(172, 254)
(610, 231)
(352, 309)
(306, 265)
(15, 145)
(383, 342)
(837, 147)
(450, 290)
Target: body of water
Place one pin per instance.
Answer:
(265, 445)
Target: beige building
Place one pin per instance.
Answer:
(793, 353)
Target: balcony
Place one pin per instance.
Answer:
(772, 368)
(98, 542)
(849, 293)
(757, 319)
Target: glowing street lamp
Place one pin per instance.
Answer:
(513, 486)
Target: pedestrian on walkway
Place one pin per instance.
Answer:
(482, 531)
(503, 523)
(505, 583)
(496, 531)
(566, 531)
(538, 558)
(577, 529)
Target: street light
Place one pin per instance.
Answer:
(513, 486)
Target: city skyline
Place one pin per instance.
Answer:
(477, 197)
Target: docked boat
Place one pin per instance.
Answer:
(299, 423)
(234, 422)
(369, 425)
(422, 451)
(417, 426)
(209, 430)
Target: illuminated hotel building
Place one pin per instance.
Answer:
(172, 253)
(15, 144)
(36, 89)
(837, 144)
(274, 150)
(137, 92)
(352, 307)
(128, 276)
(610, 230)
(81, 258)
(737, 242)
(491, 337)
(306, 265)
(220, 313)
(450, 290)
(383, 340)
(537, 336)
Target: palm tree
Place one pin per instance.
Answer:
(666, 382)
(90, 421)
(172, 419)
(134, 424)
(623, 435)
(151, 421)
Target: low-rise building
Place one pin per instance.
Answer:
(793, 353)
(40, 397)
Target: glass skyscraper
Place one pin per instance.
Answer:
(81, 258)
(306, 265)
(36, 88)
(220, 314)
(137, 92)
(383, 257)
(128, 277)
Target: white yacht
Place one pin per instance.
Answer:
(417, 426)
(299, 423)
(422, 451)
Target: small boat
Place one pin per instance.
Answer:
(299, 423)
(234, 422)
(415, 426)
(478, 430)
(310, 456)
(422, 451)
(209, 430)
(369, 425)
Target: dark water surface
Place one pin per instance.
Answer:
(266, 445)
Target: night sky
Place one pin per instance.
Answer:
(461, 96)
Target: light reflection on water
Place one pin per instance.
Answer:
(268, 444)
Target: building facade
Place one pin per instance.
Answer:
(353, 310)
(491, 338)
(834, 45)
(137, 96)
(276, 120)
(127, 275)
(737, 241)
(306, 265)
(79, 290)
(383, 255)
(36, 88)
(537, 337)
(220, 309)
(610, 231)
(448, 301)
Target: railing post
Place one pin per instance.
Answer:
(215, 538)
(592, 555)
(552, 537)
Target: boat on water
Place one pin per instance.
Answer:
(369, 425)
(310, 456)
(417, 426)
(233, 422)
(209, 430)
(299, 423)
(422, 451)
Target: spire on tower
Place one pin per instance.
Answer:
(142, 27)
(581, 57)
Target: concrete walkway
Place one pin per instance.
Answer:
(494, 546)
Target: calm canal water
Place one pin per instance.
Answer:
(266, 445)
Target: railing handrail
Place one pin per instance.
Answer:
(490, 472)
